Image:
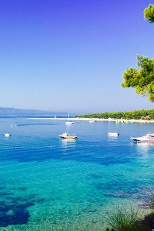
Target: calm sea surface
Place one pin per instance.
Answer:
(50, 184)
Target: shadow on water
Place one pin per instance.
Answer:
(100, 155)
(35, 124)
(13, 216)
(14, 209)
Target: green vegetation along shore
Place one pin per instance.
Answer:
(137, 115)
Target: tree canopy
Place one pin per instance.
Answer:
(137, 114)
(143, 79)
(149, 13)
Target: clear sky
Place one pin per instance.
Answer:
(69, 55)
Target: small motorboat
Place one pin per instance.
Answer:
(139, 139)
(66, 136)
(92, 121)
(7, 135)
(69, 122)
(147, 138)
(115, 134)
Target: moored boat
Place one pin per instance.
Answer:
(147, 138)
(69, 122)
(66, 136)
(7, 135)
(115, 134)
(92, 121)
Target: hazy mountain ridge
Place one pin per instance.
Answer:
(29, 112)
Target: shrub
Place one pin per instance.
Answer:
(125, 220)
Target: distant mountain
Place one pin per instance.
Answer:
(28, 112)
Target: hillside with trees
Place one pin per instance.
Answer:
(137, 114)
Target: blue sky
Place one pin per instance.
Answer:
(69, 55)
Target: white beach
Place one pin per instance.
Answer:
(97, 120)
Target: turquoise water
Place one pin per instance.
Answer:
(49, 184)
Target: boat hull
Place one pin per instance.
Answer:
(68, 137)
(115, 134)
(7, 135)
(69, 122)
(146, 139)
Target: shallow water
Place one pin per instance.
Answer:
(50, 184)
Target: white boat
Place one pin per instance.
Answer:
(92, 121)
(69, 122)
(147, 138)
(66, 136)
(7, 134)
(115, 134)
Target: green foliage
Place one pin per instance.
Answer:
(142, 80)
(138, 114)
(109, 229)
(149, 13)
(125, 220)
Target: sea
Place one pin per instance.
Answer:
(50, 184)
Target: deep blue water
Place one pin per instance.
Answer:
(50, 184)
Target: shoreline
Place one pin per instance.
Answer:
(97, 120)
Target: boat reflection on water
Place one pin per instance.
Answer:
(113, 136)
(144, 144)
(143, 148)
(65, 143)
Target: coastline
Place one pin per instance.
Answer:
(97, 120)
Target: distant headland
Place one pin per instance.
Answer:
(4, 111)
